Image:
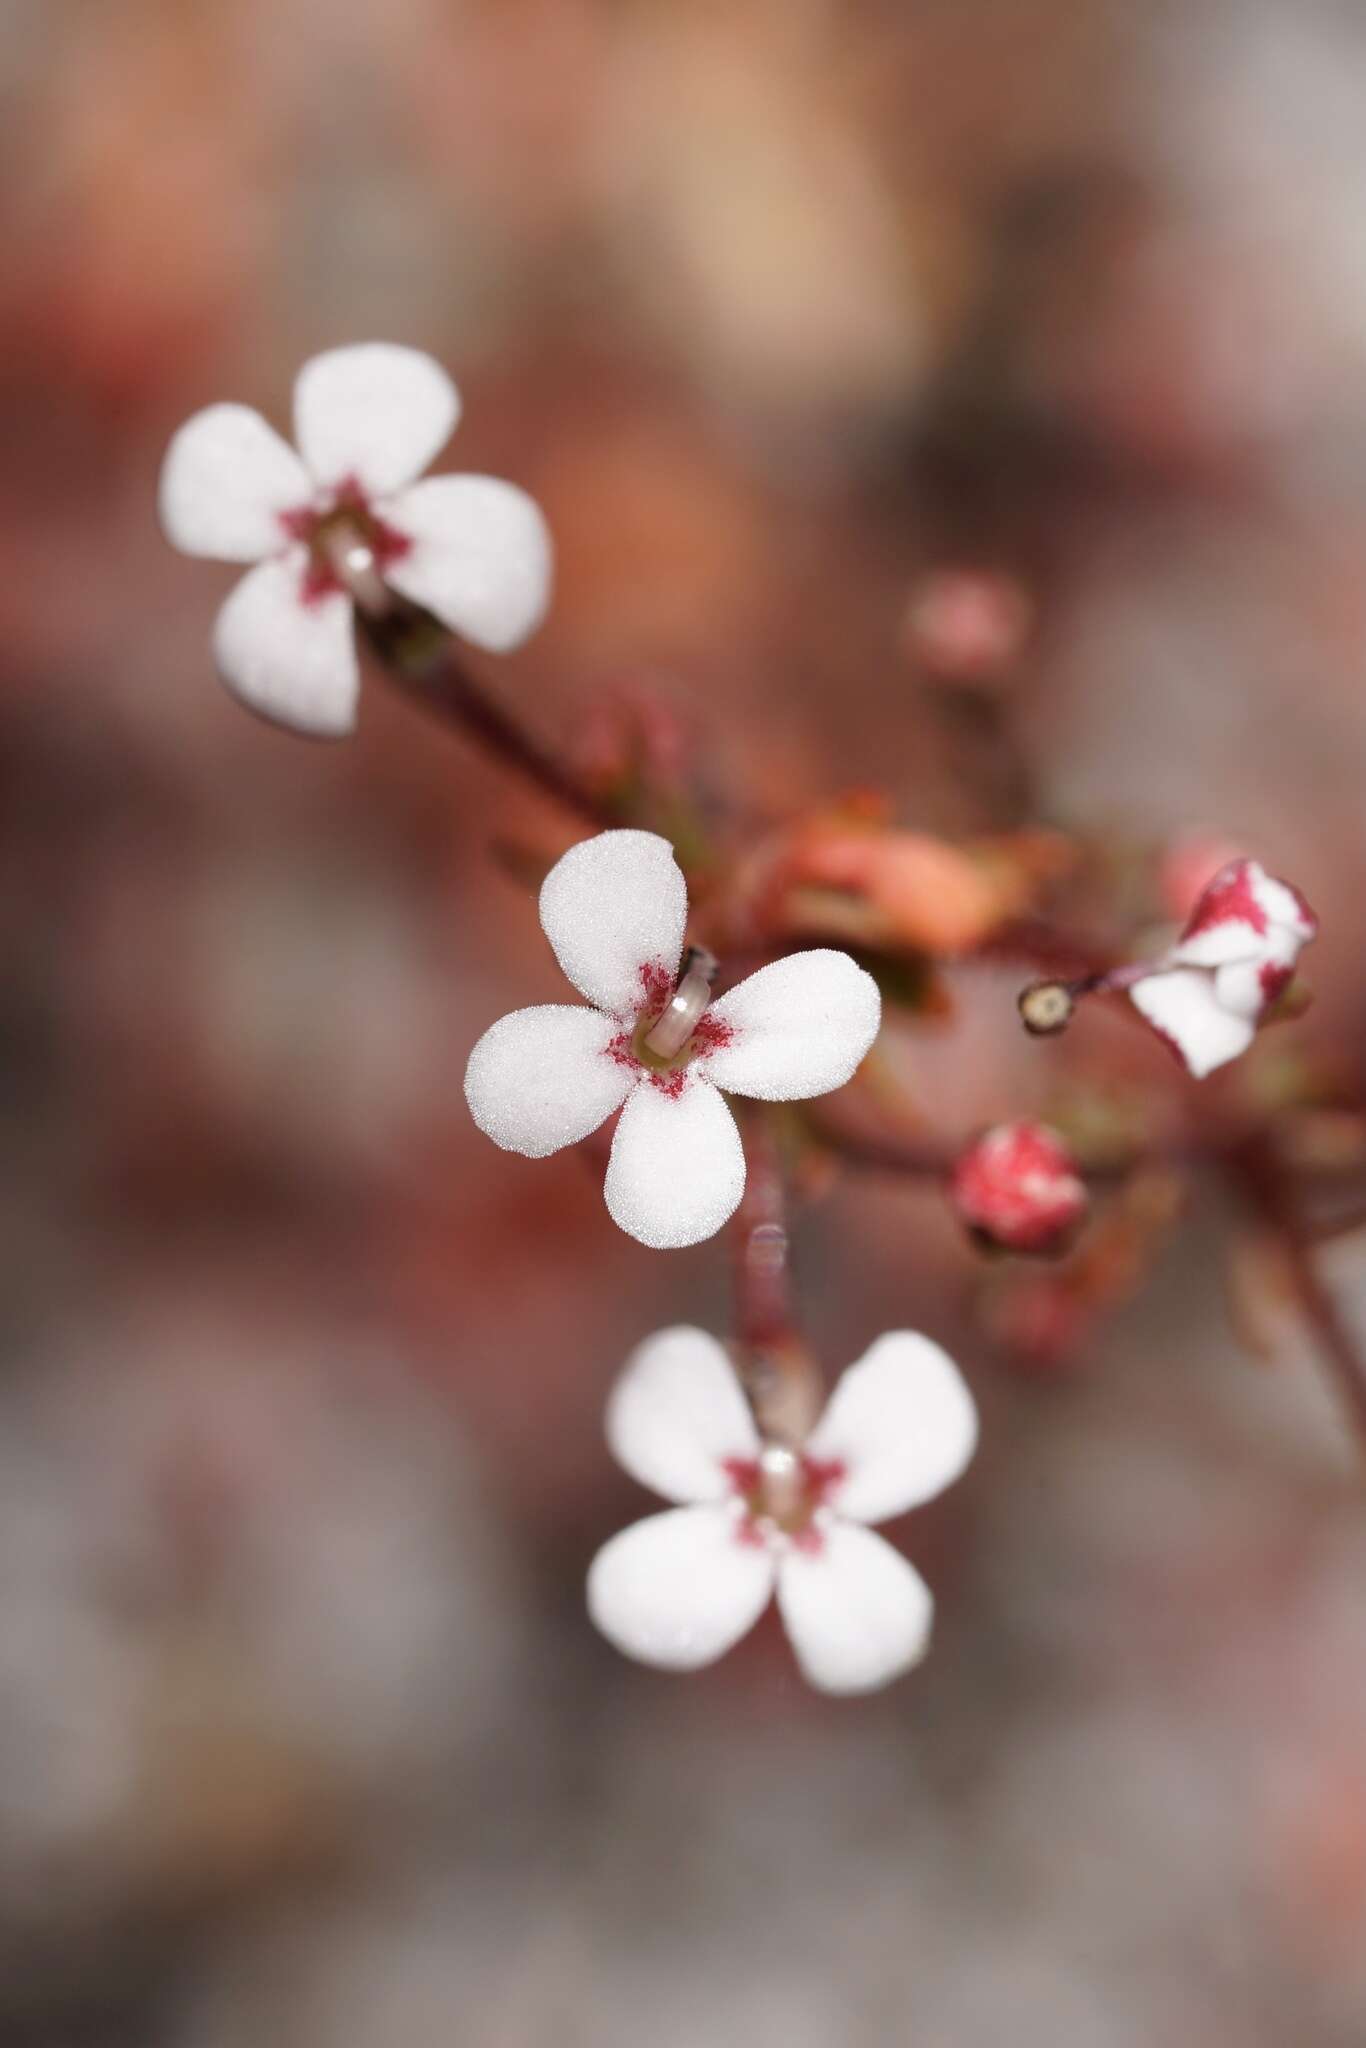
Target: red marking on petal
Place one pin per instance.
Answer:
(1309, 917)
(670, 1082)
(345, 507)
(1228, 897)
(619, 1049)
(743, 1473)
(385, 542)
(1274, 981)
(1173, 1045)
(301, 523)
(820, 1477)
(656, 987)
(711, 1033)
(810, 1540)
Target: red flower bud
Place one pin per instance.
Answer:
(1018, 1187)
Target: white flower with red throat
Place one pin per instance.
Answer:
(756, 1519)
(655, 1046)
(342, 520)
(1234, 959)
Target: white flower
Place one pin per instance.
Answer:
(1235, 957)
(368, 420)
(614, 910)
(677, 1589)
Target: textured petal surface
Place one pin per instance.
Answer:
(678, 1589)
(375, 412)
(800, 1027)
(857, 1612)
(294, 662)
(614, 905)
(677, 1168)
(677, 1413)
(1183, 1005)
(226, 479)
(541, 1078)
(901, 1422)
(480, 557)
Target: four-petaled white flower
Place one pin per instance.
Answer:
(471, 549)
(614, 910)
(677, 1589)
(1235, 957)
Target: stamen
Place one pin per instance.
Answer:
(353, 562)
(780, 1481)
(672, 1031)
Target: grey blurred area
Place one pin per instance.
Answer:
(779, 308)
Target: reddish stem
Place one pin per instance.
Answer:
(417, 654)
(778, 1372)
(1260, 1176)
(934, 1159)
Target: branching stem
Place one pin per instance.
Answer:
(419, 656)
(1260, 1177)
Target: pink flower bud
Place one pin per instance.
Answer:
(1017, 1187)
(1233, 963)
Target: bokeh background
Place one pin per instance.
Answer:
(788, 311)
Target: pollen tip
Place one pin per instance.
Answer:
(1046, 1008)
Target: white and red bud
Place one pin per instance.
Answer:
(1230, 969)
(1018, 1188)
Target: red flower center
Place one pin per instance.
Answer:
(782, 1492)
(343, 519)
(629, 1049)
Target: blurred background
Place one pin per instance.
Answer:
(892, 372)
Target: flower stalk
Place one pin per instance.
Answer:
(1259, 1176)
(419, 656)
(779, 1375)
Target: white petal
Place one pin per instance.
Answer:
(1229, 940)
(677, 1414)
(1285, 908)
(615, 905)
(1239, 989)
(375, 412)
(800, 1026)
(678, 1589)
(901, 1422)
(857, 1612)
(543, 1078)
(1183, 1005)
(225, 482)
(290, 658)
(677, 1169)
(480, 557)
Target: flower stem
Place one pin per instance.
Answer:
(777, 1371)
(418, 654)
(1259, 1175)
(933, 1159)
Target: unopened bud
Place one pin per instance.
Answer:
(1017, 1187)
(1046, 1007)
